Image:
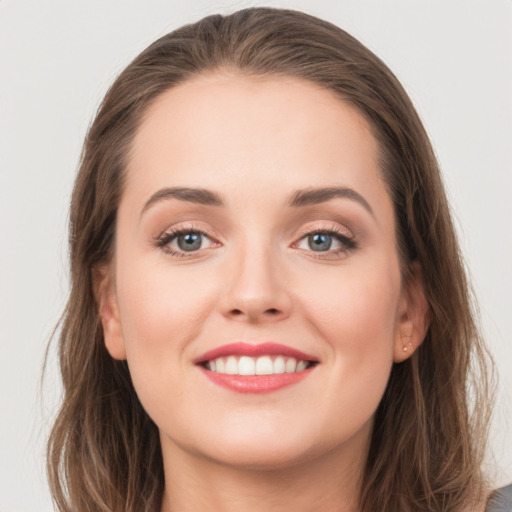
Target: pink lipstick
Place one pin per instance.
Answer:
(261, 368)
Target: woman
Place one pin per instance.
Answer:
(268, 307)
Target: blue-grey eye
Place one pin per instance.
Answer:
(189, 241)
(320, 242)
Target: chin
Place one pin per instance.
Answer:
(250, 456)
(268, 446)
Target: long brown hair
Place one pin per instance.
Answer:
(430, 428)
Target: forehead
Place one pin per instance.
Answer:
(227, 130)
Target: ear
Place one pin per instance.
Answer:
(104, 291)
(413, 315)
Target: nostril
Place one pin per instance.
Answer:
(254, 314)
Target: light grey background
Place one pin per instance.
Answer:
(58, 57)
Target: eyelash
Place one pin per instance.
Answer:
(167, 237)
(348, 242)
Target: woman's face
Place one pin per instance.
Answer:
(255, 232)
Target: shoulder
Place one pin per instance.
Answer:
(500, 500)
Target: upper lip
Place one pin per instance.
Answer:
(253, 350)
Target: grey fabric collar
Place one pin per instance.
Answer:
(500, 500)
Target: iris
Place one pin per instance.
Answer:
(320, 241)
(189, 241)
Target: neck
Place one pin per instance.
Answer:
(330, 483)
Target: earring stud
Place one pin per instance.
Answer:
(405, 348)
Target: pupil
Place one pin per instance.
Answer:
(189, 241)
(320, 242)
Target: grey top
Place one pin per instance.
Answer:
(500, 500)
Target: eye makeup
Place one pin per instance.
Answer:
(320, 241)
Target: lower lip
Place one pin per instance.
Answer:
(256, 383)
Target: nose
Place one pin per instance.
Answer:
(257, 291)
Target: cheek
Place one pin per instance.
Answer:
(162, 310)
(356, 309)
(357, 315)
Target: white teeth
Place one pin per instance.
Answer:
(301, 366)
(263, 365)
(219, 365)
(231, 365)
(279, 366)
(246, 366)
(291, 365)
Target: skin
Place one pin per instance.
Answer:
(255, 142)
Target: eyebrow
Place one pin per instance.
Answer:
(300, 198)
(312, 196)
(192, 195)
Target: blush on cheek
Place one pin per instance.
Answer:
(364, 312)
(162, 313)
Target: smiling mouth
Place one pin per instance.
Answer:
(260, 368)
(262, 365)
